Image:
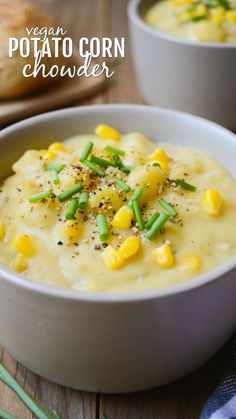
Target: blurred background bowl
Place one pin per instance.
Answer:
(193, 77)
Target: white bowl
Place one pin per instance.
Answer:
(193, 77)
(113, 342)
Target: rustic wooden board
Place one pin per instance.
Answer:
(181, 400)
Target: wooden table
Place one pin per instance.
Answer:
(181, 400)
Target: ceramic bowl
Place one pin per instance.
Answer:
(112, 342)
(193, 77)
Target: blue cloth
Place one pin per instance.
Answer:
(222, 403)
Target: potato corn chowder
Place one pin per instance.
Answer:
(195, 20)
(116, 212)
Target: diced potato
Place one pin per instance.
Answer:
(106, 197)
(150, 177)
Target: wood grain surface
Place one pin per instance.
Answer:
(181, 400)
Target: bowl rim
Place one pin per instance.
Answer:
(135, 17)
(31, 285)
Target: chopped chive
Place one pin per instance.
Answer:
(94, 168)
(115, 150)
(71, 210)
(102, 162)
(138, 215)
(40, 196)
(54, 177)
(35, 407)
(185, 185)
(102, 227)
(198, 18)
(118, 163)
(86, 151)
(136, 196)
(83, 200)
(151, 220)
(56, 167)
(5, 415)
(64, 196)
(156, 164)
(168, 207)
(157, 226)
(117, 160)
(122, 185)
(225, 4)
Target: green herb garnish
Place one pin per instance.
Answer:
(71, 210)
(138, 214)
(56, 167)
(86, 151)
(157, 226)
(136, 196)
(168, 207)
(185, 185)
(118, 163)
(115, 150)
(151, 220)
(102, 162)
(64, 196)
(122, 185)
(198, 18)
(34, 406)
(83, 200)
(40, 196)
(92, 166)
(102, 227)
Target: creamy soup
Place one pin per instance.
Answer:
(116, 212)
(201, 21)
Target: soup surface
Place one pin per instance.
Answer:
(201, 21)
(116, 212)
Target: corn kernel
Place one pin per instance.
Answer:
(191, 262)
(70, 230)
(2, 231)
(218, 15)
(129, 247)
(107, 132)
(113, 260)
(55, 147)
(24, 244)
(201, 9)
(161, 155)
(231, 16)
(163, 256)
(212, 201)
(152, 17)
(49, 155)
(20, 263)
(123, 218)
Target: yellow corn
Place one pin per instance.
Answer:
(191, 262)
(70, 230)
(129, 247)
(212, 201)
(24, 244)
(107, 132)
(163, 256)
(49, 155)
(201, 9)
(57, 147)
(160, 154)
(152, 17)
(2, 231)
(218, 15)
(231, 16)
(123, 218)
(162, 158)
(112, 259)
(20, 263)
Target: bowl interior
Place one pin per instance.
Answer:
(160, 125)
